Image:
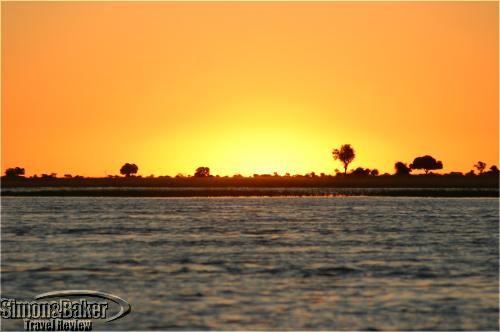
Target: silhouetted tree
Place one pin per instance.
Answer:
(374, 172)
(346, 155)
(427, 163)
(202, 172)
(14, 172)
(480, 166)
(401, 168)
(129, 169)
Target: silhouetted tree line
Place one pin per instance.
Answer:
(345, 154)
(428, 163)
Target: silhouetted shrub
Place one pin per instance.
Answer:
(493, 170)
(202, 172)
(14, 172)
(360, 171)
(401, 168)
(480, 166)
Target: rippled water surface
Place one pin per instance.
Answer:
(262, 263)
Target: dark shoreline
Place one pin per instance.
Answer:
(252, 192)
(412, 186)
(383, 181)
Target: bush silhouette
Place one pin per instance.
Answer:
(493, 169)
(401, 168)
(346, 155)
(427, 163)
(129, 169)
(360, 171)
(202, 172)
(480, 166)
(14, 172)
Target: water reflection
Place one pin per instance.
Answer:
(262, 263)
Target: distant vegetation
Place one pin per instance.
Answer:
(427, 163)
(13, 172)
(480, 166)
(129, 169)
(202, 172)
(345, 154)
(401, 168)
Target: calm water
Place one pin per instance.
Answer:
(262, 263)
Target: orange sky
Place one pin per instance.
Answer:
(247, 87)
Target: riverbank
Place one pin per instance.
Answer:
(412, 181)
(250, 192)
(416, 186)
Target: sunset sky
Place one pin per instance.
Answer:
(247, 87)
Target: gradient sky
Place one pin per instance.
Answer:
(247, 87)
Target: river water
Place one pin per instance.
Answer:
(306, 263)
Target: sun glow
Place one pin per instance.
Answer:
(240, 87)
(260, 138)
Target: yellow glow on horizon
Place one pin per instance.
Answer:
(247, 87)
